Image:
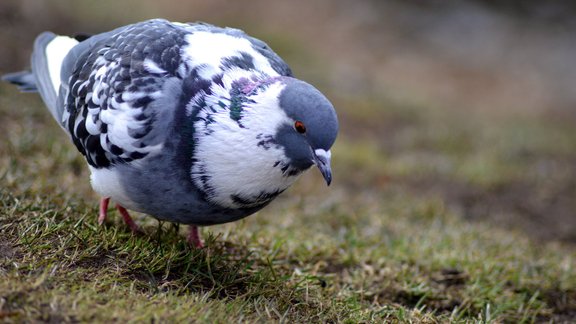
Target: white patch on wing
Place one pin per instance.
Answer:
(208, 49)
(55, 53)
(222, 144)
(152, 67)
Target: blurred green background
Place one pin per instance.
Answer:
(471, 103)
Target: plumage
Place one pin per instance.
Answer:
(189, 123)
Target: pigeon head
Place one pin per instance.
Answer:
(312, 127)
(254, 135)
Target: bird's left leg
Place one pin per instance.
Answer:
(103, 210)
(127, 219)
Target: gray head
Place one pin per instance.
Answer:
(308, 139)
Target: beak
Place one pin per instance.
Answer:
(322, 161)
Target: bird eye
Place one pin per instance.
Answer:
(299, 126)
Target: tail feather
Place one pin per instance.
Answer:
(45, 77)
(41, 69)
(25, 80)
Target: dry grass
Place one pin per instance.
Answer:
(435, 215)
(371, 248)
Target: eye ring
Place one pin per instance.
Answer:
(299, 126)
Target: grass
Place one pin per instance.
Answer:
(388, 242)
(435, 214)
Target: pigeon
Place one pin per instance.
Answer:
(186, 122)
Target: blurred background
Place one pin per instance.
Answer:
(470, 103)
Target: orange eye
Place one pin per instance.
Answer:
(299, 126)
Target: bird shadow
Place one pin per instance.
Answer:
(161, 261)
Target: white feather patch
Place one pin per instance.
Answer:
(152, 67)
(55, 52)
(106, 182)
(230, 155)
(208, 49)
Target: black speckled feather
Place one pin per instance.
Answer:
(125, 83)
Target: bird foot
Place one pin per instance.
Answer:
(127, 219)
(104, 202)
(194, 237)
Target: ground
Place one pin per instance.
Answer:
(435, 214)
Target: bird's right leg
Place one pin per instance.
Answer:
(127, 219)
(194, 237)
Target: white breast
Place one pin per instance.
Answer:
(229, 161)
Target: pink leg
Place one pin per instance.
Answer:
(127, 219)
(103, 210)
(194, 237)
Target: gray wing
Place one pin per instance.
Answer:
(114, 98)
